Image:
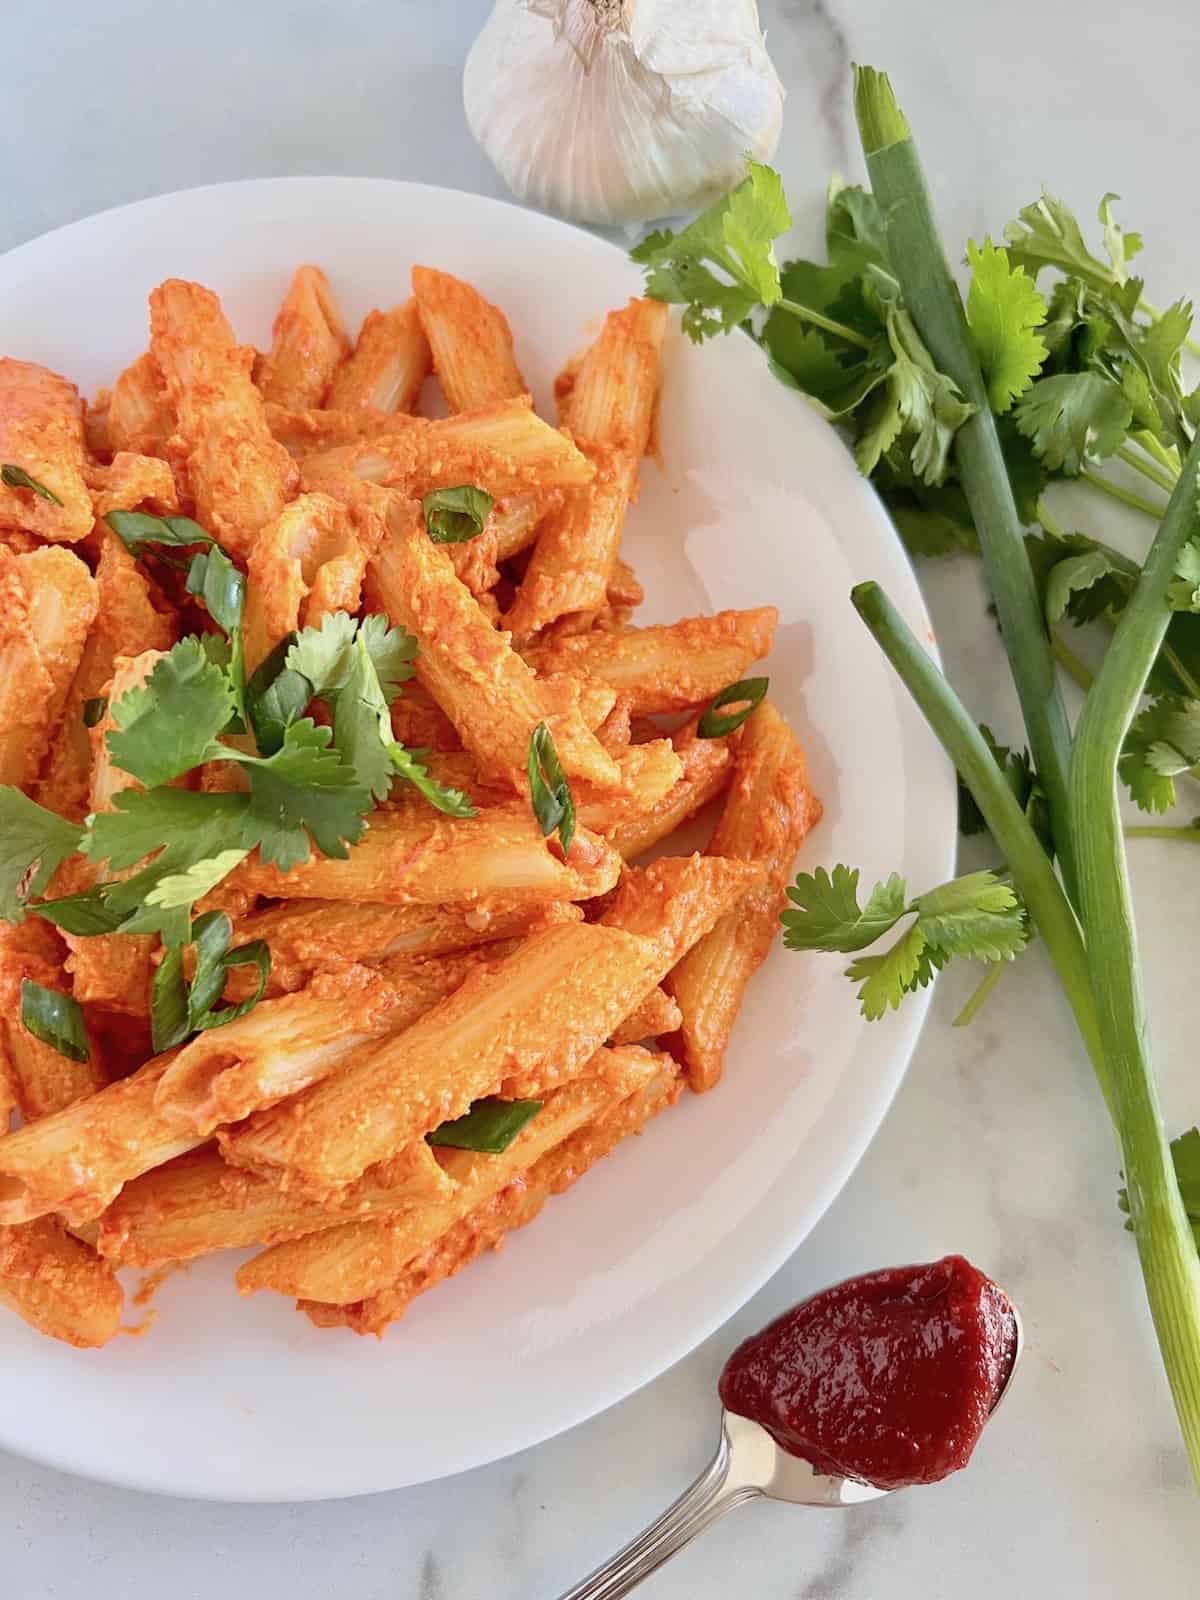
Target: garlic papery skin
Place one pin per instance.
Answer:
(618, 111)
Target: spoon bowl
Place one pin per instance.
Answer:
(748, 1464)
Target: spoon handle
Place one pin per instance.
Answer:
(714, 1492)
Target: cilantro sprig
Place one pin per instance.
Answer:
(977, 916)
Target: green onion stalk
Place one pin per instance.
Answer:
(1095, 953)
(937, 309)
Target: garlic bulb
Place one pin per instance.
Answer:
(622, 110)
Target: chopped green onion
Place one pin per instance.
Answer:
(56, 1019)
(490, 1126)
(453, 516)
(746, 695)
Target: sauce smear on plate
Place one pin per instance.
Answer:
(887, 1378)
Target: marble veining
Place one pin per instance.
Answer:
(998, 1144)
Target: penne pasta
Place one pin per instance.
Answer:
(469, 339)
(657, 1015)
(114, 970)
(504, 448)
(198, 1203)
(488, 1223)
(305, 564)
(515, 520)
(649, 773)
(518, 1027)
(285, 1045)
(390, 362)
(40, 1078)
(41, 432)
(48, 602)
(131, 616)
(483, 686)
(669, 667)
(608, 408)
(707, 765)
(769, 809)
(357, 1259)
(141, 419)
(76, 1160)
(240, 477)
(308, 342)
(59, 1285)
(416, 856)
(310, 936)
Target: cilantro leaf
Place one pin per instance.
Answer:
(885, 980)
(201, 878)
(14, 477)
(304, 788)
(1004, 310)
(1047, 234)
(855, 233)
(1163, 742)
(829, 916)
(977, 915)
(453, 802)
(736, 236)
(1185, 1157)
(362, 728)
(323, 654)
(1121, 246)
(917, 400)
(1072, 578)
(276, 697)
(1016, 767)
(34, 843)
(392, 651)
(452, 516)
(1183, 592)
(1073, 417)
(195, 826)
(169, 724)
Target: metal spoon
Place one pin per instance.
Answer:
(748, 1463)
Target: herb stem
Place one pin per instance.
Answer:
(1185, 833)
(937, 309)
(1164, 480)
(820, 320)
(1166, 1245)
(1033, 875)
(1075, 669)
(1127, 497)
(1168, 459)
(979, 995)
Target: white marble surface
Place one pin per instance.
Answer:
(998, 1145)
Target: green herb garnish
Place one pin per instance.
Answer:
(56, 1019)
(549, 791)
(17, 478)
(490, 1126)
(452, 516)
(745, 695)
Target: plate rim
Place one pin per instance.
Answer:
(907, 1025)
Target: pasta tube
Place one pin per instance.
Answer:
(517, 1027)
(310, 936)
(308, 341)
(658, 1014)
(140, 417)
(470, 341)
(504, 448)
(59, 1285)
(483, 686)
(48, 603)
(391, 361)
(357, 1259)
(284, 1045)
(41, 432)
(42, 1079)
(669, 667)
(76, 1160)
(197, 1204)
(240, 477)
(706, 768)
(415, 855)
(768, 811)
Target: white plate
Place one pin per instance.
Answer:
(244, 1399)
